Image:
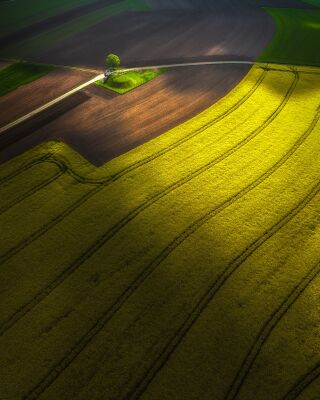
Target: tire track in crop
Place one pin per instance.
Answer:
(36, 188)
(303, 383)
(23, 310)
(267, 330)
(23, 168)
(144, 274)
(49, 157)
(26, 242)
(209, 295)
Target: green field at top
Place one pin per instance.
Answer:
(187, 268)
(297, 37)
(127, 81)
(39, 42)
(20, 74)
(15, 15)
(313, 2)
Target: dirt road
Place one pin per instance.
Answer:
(107, 126)
(29, 97)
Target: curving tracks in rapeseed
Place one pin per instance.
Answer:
(126, 271)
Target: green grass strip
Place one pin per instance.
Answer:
(15, 15)
(20, 74)
(123, 83)
(51, 37)
(297, 37)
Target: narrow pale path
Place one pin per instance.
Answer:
(48, 105)
(99, 77)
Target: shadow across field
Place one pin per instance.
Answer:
(108, 125)
(176, 264)
(103, 129)
(166, 35)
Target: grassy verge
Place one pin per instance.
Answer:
(198, 248)
(297, 37)
(20, 74)
(123, 83)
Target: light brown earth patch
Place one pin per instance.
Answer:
(35, 94)
(108, 125)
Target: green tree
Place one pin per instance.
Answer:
(112, 61)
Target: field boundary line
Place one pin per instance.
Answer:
(51, 103)
(14, 250)
(303, 383)
(57, 100)
(59, 367)
(137, 164)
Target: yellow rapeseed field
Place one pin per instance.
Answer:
(187, 268)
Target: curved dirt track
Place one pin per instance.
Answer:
(108, 125)
(165, 279)
(37, 93)
(47, 106)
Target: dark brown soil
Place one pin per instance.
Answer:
(52, 22)
(29, 97)
(108, 125)
(20, 132)
(141, 38)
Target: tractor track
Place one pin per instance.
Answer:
(267, 330)
(103, 183)
(209, 295)
(30, 164)
(124, 221)
(36, 188)
(59, 367)
(303, 383)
